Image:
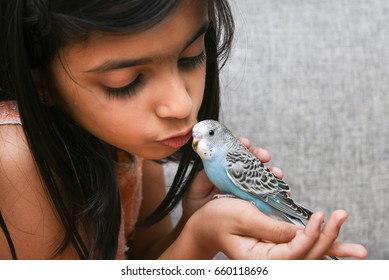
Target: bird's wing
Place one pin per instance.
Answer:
(251, 176)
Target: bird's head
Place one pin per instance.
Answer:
(209, 137)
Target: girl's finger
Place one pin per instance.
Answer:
(306, 239)
(347, 250)
(262, 154)
(246, 142)
(328, 235)
(301, 244)
(277, 172)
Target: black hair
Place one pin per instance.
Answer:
(75, 166)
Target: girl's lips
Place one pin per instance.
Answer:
(178, 141)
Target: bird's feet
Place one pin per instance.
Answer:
(216, 196)
(224, 196)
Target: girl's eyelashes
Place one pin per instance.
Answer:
(189, 63)
(185, 64)
(126, 91)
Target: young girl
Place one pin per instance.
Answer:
(91, 93)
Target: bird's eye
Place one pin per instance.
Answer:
(211, 132)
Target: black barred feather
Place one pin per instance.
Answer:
(253, 177)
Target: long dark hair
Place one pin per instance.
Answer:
(75, 166)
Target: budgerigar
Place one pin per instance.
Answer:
(237, 172)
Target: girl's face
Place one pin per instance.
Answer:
(139, 92)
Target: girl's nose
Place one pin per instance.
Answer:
(176, 101)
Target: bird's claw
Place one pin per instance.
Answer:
(224, 196)
(216, 196)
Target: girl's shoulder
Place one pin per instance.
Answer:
(15, 156)
(28, 214)
(14, 152)
(13, 144)
(16, 160)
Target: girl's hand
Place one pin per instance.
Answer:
(236, 228)
(202, 190)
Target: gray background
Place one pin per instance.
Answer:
(309, 81)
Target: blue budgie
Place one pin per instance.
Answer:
(235, 171)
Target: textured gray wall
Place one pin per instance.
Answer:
(309, 81)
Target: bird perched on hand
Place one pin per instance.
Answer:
(236, 171)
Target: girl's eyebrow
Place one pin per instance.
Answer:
(119, 64)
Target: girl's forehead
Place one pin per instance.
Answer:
(170, 37)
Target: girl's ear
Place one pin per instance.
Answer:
(41, 87)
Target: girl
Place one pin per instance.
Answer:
(92, 92)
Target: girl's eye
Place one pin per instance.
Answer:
(126, 91)
(189, 63)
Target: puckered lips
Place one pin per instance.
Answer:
(178, 140)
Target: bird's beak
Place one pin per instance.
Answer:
(195, 143)
(196, 139)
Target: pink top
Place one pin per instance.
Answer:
(9, 113)
(130, 187)
(129, 174)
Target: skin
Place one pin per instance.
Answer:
(165, 104)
